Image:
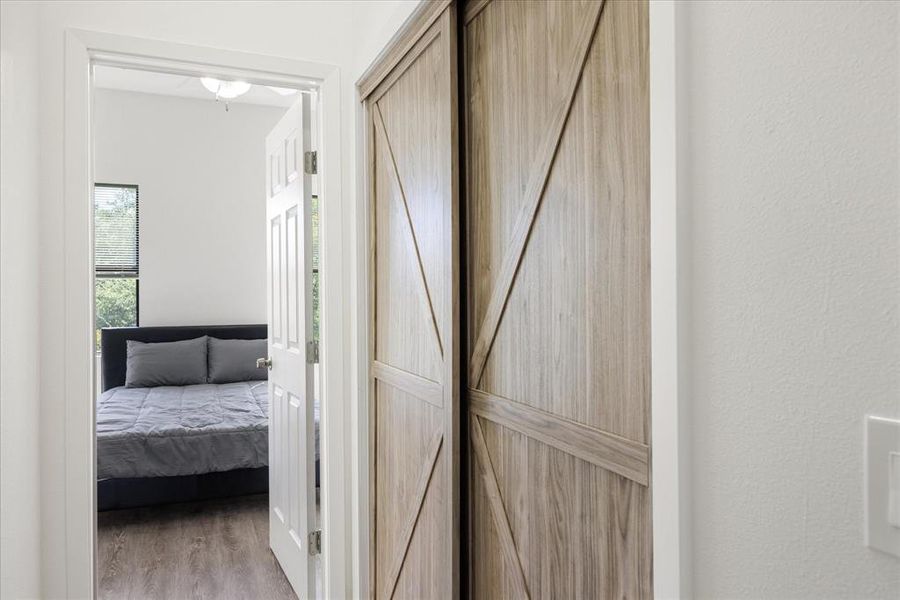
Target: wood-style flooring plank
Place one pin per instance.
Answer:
(214, 549)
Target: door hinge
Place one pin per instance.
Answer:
(315, 542)
(311, 162)
(312, 352)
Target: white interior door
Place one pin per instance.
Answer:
(291, 442)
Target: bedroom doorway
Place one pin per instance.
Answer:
(206, 309)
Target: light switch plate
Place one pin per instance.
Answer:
(882, 485)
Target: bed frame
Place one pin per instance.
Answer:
(144, 491)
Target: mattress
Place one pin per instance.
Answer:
(183, 430)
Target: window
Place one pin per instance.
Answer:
(116, 256)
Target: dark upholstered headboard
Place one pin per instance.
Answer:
(113, 343)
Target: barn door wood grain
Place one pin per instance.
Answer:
(413, 181)
(557, 237)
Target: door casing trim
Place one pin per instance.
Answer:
(82, 50)
(669, 311)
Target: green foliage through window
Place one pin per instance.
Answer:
(116, 256)
(115, 301)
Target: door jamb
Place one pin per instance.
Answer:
(669, 312)
(82, 49)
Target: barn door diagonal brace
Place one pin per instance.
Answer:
(498, 510)
(534, 193)
(429, 306)
(409, 528)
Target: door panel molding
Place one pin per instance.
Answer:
(414, 385)
(410, 105)
(473, 8)
(422, 485)
(416, 26)
(498, 509)
(421, 46)
(614, 453)
(534, 193)
(429, 305)
(557, 179)
(557, 154)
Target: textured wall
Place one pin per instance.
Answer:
(19, 404)
(792, 171)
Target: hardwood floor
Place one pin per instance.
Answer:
(216, 549)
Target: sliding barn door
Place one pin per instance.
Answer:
(414, 396)
(557, 187)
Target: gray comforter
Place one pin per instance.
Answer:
(182, 430)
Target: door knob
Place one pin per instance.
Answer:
(264, 363)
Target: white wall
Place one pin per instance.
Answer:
(793, 174)
(201, 177)
(791, 169)
(339, 33)
(19, 326)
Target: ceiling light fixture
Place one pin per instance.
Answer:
(226, 90)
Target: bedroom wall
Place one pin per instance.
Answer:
(792, 172)
(201, 177)
(20, 469)
(347, 34)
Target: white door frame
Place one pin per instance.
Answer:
(82, 49)
(670, 457)
(669, 312)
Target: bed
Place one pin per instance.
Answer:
(177, 443)
(169, 431)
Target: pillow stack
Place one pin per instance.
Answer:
(190, 362)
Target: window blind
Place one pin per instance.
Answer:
(116, 229)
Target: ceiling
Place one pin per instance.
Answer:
(164, 84)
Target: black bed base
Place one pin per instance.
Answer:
(114, 494)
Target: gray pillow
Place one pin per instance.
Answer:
(235, 360)
(165, 363)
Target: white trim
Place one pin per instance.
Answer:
(78, 370)
(360, 419)
(670, 457)
(82, 49)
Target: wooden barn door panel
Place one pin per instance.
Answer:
(557, 185)
(413, 183)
